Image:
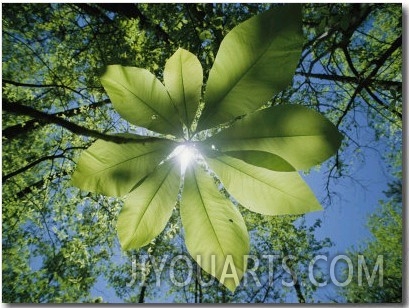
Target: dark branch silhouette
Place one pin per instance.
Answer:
(388, 84)
(19, 109)
(38, 161)
(19, 129)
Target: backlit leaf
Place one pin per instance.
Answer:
(141, 99)
(301, 136)
(264, 191)
(213, 227)
(255, 61)
(147, 208)
(114, 169)
(183, 77)
(262, 159)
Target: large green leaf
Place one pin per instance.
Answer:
(183, 77)
(148, 208)
(264, 191)
(141, 99)
(262, 159)
(256, 60)
(114, 169)
(213, 227)
(299, 135)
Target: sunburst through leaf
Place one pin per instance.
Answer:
(256, 158)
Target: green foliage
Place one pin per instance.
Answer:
(147, 209)
(285, 131)
(255, 61)
(60, 244)
(386, 227)
(115, 169)
(215, 230)
(183, 77)
(262, 190)
(140, 98)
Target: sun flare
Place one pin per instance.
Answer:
(185, 154)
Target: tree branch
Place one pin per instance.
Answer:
(30, 165)
(37, 161)
(39, 184)
(18, 129)
(130, 10)
(92, 11)
(352, 79)
(362, 83)
(366, 85)
(378, 100)
(381, 61)
(19, 109)
(32, 85)
(349, 105)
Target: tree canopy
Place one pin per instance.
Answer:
(387, 230)
(59, 242)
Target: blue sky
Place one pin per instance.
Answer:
(344, 221)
